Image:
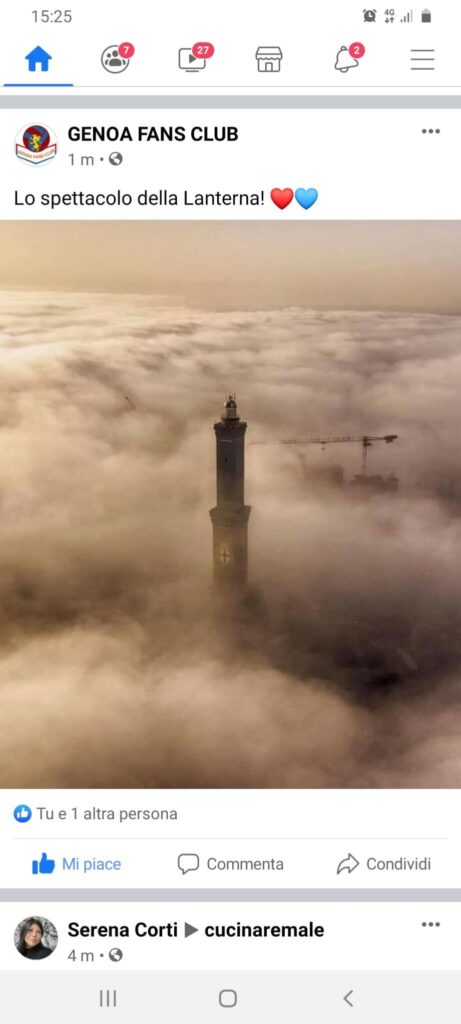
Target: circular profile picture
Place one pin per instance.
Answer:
(36, 144)
(36, 938)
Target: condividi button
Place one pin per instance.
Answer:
(400, 864)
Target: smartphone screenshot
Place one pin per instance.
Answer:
(230, 512)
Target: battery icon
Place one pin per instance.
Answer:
(426, 15)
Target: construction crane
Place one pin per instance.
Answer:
(366, 440)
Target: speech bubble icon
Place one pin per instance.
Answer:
(188, 862)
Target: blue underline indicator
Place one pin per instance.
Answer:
(41, 85)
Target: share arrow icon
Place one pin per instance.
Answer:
(349, 864)
(189, 930)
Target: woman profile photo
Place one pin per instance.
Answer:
(36, 938)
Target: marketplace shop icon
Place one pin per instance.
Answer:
(36, 144)
(269, 58)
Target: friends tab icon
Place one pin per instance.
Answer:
(116, 59)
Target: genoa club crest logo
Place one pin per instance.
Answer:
(36, 144)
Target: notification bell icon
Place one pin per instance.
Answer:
(344, 60)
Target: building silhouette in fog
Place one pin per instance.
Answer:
(230, 515)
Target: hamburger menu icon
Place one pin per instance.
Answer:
(36, 144)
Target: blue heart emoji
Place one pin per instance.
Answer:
(306, 197)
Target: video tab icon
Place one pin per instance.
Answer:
(188, 62)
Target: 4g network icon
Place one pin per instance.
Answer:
(36, 144)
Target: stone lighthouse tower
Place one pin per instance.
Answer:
(230, 516)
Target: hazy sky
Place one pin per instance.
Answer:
(112, 670)
(118, 667)
(368, 265)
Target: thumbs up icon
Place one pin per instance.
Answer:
(22, 813)
(44, 866)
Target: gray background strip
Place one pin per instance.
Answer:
(231, 895)
(230, 102)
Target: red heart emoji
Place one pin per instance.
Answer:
(282, 197)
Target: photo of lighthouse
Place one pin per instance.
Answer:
(230, 515)
(230, 505)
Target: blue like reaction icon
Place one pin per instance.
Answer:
(22, 813)
(44, 866)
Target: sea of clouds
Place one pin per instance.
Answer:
(118, 664)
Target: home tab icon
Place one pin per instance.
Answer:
(269, 58)
(38, 58)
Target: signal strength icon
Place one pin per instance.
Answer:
(407, 18)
